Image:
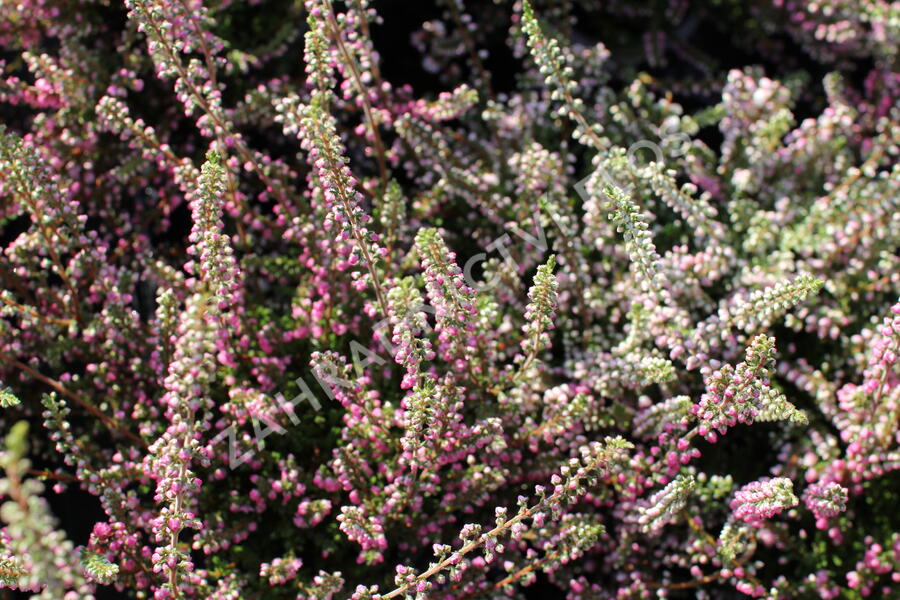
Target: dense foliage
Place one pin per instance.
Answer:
(458, 300)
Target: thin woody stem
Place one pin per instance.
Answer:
(110, 422)
(455, 557)
(363, 93)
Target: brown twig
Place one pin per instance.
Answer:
(34, 313)
(363, 93)
(110, 422)
(45, 474)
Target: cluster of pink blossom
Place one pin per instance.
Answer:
(761, 500)
(568, 302)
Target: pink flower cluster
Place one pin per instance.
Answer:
(761, 500)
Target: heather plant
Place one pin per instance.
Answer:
(349, 300)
